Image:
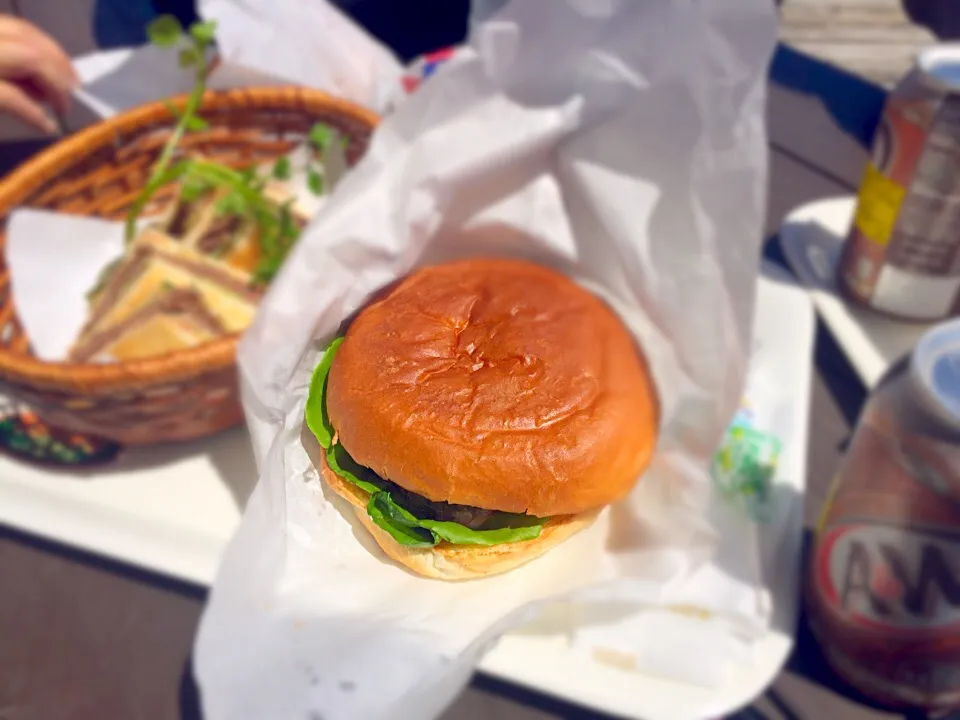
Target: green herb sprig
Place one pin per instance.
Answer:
(166, 32)
(241, 190)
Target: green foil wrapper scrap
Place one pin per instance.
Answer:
(744, 466)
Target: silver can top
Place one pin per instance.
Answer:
(935, 371)
(941, 64)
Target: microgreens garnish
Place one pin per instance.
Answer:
(241, 192)
(166, 32)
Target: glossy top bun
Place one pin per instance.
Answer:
(498, 384)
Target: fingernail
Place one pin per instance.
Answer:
(50, 125)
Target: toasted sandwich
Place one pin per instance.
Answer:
(156, 263)
(173, 320)
(233, 238)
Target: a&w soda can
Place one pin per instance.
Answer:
(902, 256)
(883, 585)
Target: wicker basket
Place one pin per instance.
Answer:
(99, 172)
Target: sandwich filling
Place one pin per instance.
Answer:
(410, 519)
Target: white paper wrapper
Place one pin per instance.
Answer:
(623, 143)
(306, 42)
(54, 260)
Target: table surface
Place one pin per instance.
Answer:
(81, 637)
(874, 38)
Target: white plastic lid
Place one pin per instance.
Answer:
(942, 64)
(935, 370)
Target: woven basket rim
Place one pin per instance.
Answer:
(210, 357)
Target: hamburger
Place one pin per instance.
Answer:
(481, 412)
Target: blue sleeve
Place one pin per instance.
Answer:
(854, 103)
(122, 23)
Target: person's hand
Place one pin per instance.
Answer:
(34, 69)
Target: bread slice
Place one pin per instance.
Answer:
(173, 320)
(155, 263)
(187, 220)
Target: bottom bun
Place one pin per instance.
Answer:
(446, 561)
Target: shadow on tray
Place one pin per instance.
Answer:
(26, 439)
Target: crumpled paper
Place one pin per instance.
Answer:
(622, 143)
(305, 42)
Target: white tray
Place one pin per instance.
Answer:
(171, 511)
(812, 238)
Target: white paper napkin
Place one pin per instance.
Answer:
(305, 42)
(54, 260)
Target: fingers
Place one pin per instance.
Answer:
(30, 56)
(17, 102)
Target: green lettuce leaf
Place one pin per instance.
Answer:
(346, 467)
(316, 413)
(400, 523)
(525, 527)
(516, 527)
